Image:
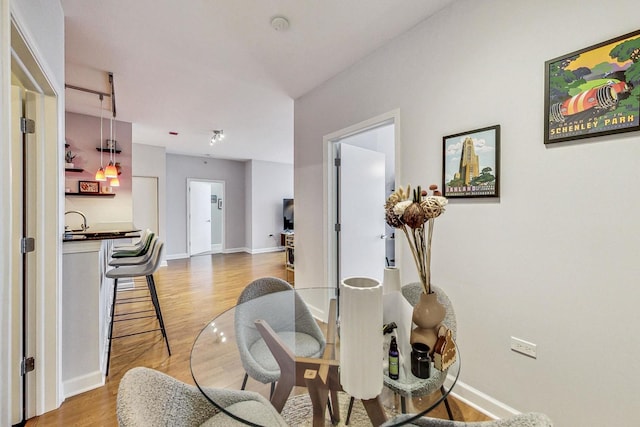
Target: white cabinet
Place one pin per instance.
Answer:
(86, 305)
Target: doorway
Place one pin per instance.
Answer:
(205, 216)
(378, 135)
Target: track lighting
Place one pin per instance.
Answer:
(218, 135)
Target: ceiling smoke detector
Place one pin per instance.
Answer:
(280, 23)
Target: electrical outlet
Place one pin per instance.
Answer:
(524, 347)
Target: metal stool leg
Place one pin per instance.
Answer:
(156, 304)
(403, 405)
(346, 422)
(113, 313)
(446, 404)
(244, 381)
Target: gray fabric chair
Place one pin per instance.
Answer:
(273, 300)
(412, 386)
(530, 419)
(148, 398)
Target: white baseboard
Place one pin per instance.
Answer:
(482, 402)
(177, 256)
(235, 250)
(81, 384)
(266, 250)
(230, 251)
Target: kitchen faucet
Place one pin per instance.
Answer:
(84, 225)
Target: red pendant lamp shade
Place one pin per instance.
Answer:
(100, 175)
(111, 171)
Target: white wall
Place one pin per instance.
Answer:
(270, 183)
(554, 261)
(150, 160)
(179, 168)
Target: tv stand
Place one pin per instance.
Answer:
(288, 239)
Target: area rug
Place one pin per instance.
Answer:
(298, 412)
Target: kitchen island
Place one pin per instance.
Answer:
(86, 302)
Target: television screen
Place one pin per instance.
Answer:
(287, 214)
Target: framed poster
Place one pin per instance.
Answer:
(594, 91)
(471, 163)
(92, 187)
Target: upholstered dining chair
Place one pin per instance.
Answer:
(149, 398)
(529, 419)
(290, 319)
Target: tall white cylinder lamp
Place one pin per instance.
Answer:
(361, 337)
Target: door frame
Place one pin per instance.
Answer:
(222, 218)
(18, 48)
(330, 214)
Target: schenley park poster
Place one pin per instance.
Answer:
(595, 91)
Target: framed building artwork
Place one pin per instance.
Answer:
(471, 163)
(594, 91)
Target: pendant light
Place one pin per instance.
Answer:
(111, 171)
(100, 173)
(115, 182)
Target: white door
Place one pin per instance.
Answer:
(145, 202)
(361, 212)
(199, 217)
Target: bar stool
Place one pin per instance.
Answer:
(138, 249)
(134, 245)
(135, 260)
(145, 269)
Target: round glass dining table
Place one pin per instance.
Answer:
(219, 355)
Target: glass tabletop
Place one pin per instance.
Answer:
(246, 337)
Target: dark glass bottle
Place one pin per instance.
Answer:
(394, 360)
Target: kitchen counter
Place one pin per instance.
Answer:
(86, 301)
(103, 231)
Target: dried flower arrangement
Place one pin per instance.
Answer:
(410, 212)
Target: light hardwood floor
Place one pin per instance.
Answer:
(191, 292)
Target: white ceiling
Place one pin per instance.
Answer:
(192, 66)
